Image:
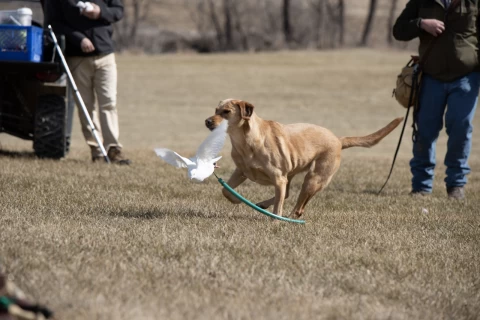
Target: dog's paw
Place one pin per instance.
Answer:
(262, 205)
(295, 215)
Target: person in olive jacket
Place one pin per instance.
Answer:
(91, 59)
(449, 87)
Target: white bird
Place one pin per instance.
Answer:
(200, 166)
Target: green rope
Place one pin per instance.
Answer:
(254, 206)
(5, 303)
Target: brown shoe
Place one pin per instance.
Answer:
(457, 193)
(96, 154)
(420, 193)
(98, 159)
(116, 156)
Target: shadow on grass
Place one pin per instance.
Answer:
(17, 154)
(369, 191)
(139, 214)
(30, 155)
(189, 213)
(373, 192)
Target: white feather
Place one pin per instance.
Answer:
(213, 144)
(171, 157)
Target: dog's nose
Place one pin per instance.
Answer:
(208, 122)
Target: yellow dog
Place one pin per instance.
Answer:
(271, 153)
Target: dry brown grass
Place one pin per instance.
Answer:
(142, 242)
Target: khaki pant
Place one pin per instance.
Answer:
(97, 76)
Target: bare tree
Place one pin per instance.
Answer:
(227, 29)
(127, 29)
(266, 24)
(215, 22)
(329, 23)
(391, 20)
(368, 23)
(341, 21)
(287, 27)
(271, 24)
(336, 12)
(319, 21)
(239, 28)
(222, 18)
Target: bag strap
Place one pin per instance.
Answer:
(450, 9)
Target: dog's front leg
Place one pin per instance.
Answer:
(235, 180)
(280, 192)
(270, 202)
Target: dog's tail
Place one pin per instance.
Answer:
(371, 139)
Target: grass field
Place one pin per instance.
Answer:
(104, 242)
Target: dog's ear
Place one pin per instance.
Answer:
(246, 109)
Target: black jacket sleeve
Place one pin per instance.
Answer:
(111, 12)
(56, 14)
(407, 26)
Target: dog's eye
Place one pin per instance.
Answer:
(226, 111)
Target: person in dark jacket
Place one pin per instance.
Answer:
(91, 59)
(449, 87)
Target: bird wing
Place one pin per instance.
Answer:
(213, 144)
(188, 162)
(173, 158)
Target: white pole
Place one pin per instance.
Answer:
(77, 93)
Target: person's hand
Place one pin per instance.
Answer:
(92, 14)
(87, 45)
(433, 26)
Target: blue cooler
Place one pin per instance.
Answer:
(21, 43)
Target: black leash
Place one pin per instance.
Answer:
(410, 103)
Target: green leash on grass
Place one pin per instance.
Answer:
(254, 206)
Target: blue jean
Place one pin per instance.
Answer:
(461, 97)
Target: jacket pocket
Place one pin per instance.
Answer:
(466, 54)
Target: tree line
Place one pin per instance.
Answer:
(254, 25)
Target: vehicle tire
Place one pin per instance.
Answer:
(49, 139)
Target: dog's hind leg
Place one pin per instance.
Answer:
(270, 202)
(316, 180)
(235, 180)
(313, 183)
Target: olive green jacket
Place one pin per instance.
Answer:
(455, 52)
